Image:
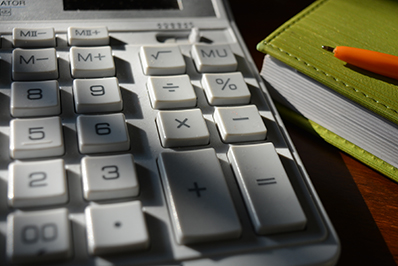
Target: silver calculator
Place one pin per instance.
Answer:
(140, 133)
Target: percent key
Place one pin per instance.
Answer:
(226, 89)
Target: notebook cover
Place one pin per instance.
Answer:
(366, 24)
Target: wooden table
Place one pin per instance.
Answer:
(362, 204)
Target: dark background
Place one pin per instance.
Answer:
(362, 204)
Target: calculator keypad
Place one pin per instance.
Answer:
(140, 149)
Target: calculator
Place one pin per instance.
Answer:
(140, 133)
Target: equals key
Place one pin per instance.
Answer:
(266, 181)
(171, 87)
(273, 205)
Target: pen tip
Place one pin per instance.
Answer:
(328, 48)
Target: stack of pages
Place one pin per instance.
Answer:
(351, 108)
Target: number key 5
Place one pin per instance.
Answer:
(34, 138)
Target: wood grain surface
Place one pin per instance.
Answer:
(362, 204)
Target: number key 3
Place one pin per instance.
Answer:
(109, 177)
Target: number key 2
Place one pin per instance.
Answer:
(37, 183)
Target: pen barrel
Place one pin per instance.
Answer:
(380, 63)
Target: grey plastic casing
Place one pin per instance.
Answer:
(317, 245)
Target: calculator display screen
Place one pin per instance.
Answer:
(113, 11)
(122, 4)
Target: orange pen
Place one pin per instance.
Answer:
(376, 62)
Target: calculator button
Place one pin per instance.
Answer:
(266, 189)
(162, 60)
(109, 177)
(37, 183)
(198, 197)
(38, 236)
(36, 137)
(29, 37)
(93, 62)
(115, 228)
(97, 95)
(214, 58)
(102, 133)
(88, 36)
(35, 98)
(237, 124)
(34, 64)
(171, 92)
(226, 89)
(182, 128)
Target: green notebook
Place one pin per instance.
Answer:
(367, 24)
